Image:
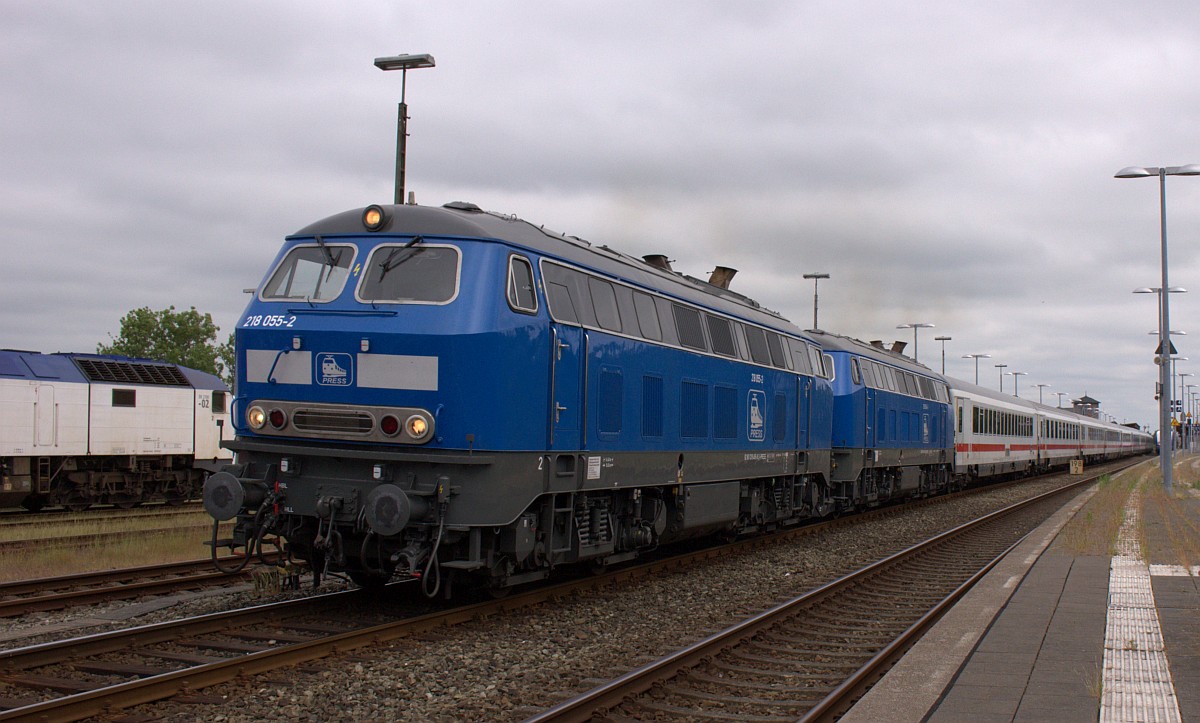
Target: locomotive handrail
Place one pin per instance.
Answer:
(271, 374)
(342, 312)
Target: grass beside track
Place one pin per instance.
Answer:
(1094, 530)
(124, 546)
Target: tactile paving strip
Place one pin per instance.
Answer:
(1137, 679)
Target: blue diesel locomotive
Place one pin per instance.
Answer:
(471, 399)
(460, 395)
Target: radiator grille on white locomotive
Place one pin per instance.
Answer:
(125, 372)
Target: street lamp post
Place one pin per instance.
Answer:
(816, 279)
(1060, 396)
(1040, 388)
(1016, 377)
(914, 326)
(1001, 368)
(943, 339)
(1164, 323)
(403, 63)
(977, 357)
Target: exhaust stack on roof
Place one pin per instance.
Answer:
(721, 276)
(658, 261)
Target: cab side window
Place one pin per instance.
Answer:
(521, 295)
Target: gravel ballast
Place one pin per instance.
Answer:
(509, 666)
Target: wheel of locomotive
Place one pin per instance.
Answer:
(126, 502)
(367, 581)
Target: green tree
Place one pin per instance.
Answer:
(187, 337)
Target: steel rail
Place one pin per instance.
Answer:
(157, 687)
(86, 588)
(55, 543)
(606, 697)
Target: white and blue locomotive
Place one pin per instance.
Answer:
(81, 429)
(469, 398)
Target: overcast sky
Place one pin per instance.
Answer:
(945, 162)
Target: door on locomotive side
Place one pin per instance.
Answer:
(567, 354)
(804, 389)
(46, 413)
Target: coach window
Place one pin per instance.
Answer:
(562, 307)
(124, 397)
(604, 299)
(721, 333)
(830, 371)
(313, 273)
(855, 374)
(757, 340)
(404, 274)
(690, 328)
(800, 356)
(647, 316)
(775, 345)
(521, 296)
(568, 296)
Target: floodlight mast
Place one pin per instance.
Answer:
(1166, 442)
(403, 63)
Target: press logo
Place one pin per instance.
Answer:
(335, 370)
(755, 424)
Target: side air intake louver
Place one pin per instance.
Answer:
(123, 372)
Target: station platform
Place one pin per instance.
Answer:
(1053, 634)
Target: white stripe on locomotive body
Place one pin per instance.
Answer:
(398, 371)
(279, 367)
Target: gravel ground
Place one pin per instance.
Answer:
(511, 666)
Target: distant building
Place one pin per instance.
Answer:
(1086, 406)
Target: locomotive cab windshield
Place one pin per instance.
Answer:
(315, 272)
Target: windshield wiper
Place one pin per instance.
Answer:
(330, 260)
(387, 265)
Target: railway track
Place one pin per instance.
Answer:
(75, 541)
(82, 677)
(26, 596)
(811, 657)
(9, 520)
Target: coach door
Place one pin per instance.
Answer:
(568, 355)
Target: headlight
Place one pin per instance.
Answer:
(417, 427)
(256, 417)
(373, 217)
